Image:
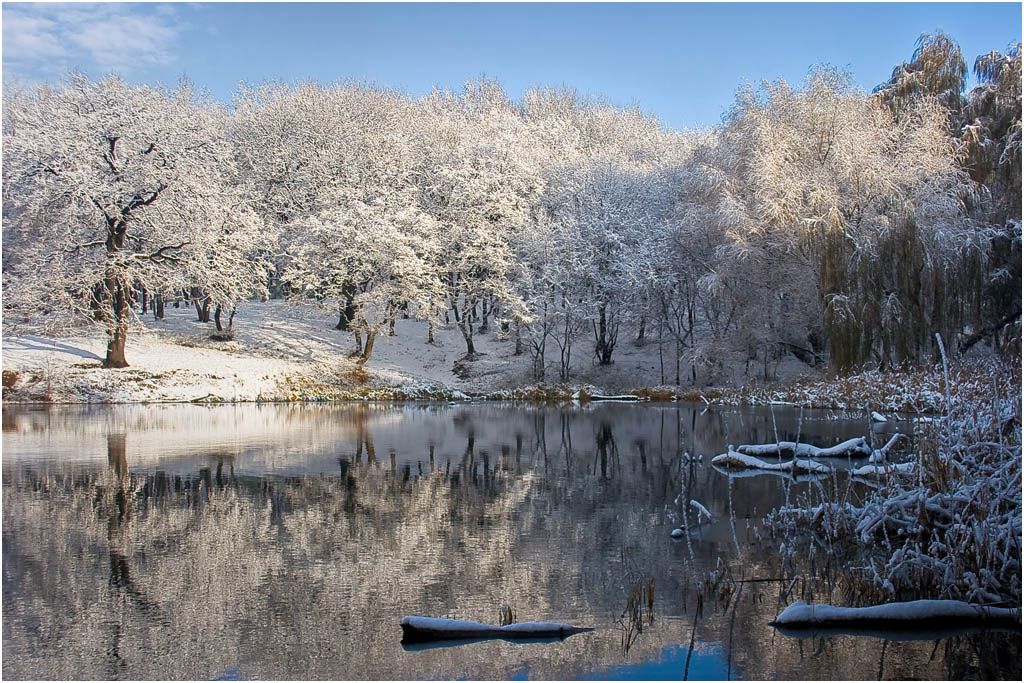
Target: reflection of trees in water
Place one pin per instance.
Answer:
(307, 576)
(208, 558)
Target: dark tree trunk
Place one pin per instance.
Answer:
(639, 341)
(679, 355)
(99, 302)
(347, 311)
(117, 323)
(216, 319)
(158, 307)
(484, 313)
(466, 328)
(604, 336)
(368, 349)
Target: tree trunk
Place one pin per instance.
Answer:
(347, 311)
(466, 328)
(201, 300)
(679, 355)
(604, 336)
(368, 349)
(485, 312)
(158, 307)
(117, 324)
(98, 302)
(661, 353)
(216, 319)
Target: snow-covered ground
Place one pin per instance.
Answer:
(284, 351)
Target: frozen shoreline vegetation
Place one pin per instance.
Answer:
(947, 528)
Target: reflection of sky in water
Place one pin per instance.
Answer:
(668, 666)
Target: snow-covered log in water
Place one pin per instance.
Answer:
(857, 447)
(743, 461)
(883, 469)
(629, 398)
(701, 510)
(882, 453)
(420, 629)
(895, 614)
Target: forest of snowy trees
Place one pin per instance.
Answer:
(841, 226)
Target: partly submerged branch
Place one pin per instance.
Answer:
(420, 629)
(743, 461)
(896, 614)
(857, 447)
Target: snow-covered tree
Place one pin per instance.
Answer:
(480, 183)
(837, 218)
(108, 187)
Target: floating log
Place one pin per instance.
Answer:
(857, 447)
(879, 470)
(896, 615)
(742, 461)
(598, 398)
(425, 629)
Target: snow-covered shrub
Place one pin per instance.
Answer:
(953, 528)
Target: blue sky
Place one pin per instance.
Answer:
(682, 62)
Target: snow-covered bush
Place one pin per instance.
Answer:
(952, 529)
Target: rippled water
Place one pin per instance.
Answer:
(287, 541)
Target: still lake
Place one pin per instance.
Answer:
(288, 541)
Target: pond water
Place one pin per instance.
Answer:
(288, 541)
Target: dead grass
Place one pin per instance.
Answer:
(10, 379)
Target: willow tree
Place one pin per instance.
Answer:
(838, 216)
(109, 187)
(936, 69)
(992, 140)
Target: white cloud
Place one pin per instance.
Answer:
(50, 39)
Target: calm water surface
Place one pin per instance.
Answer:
(287, 541)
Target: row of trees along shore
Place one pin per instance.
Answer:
(839, 225)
